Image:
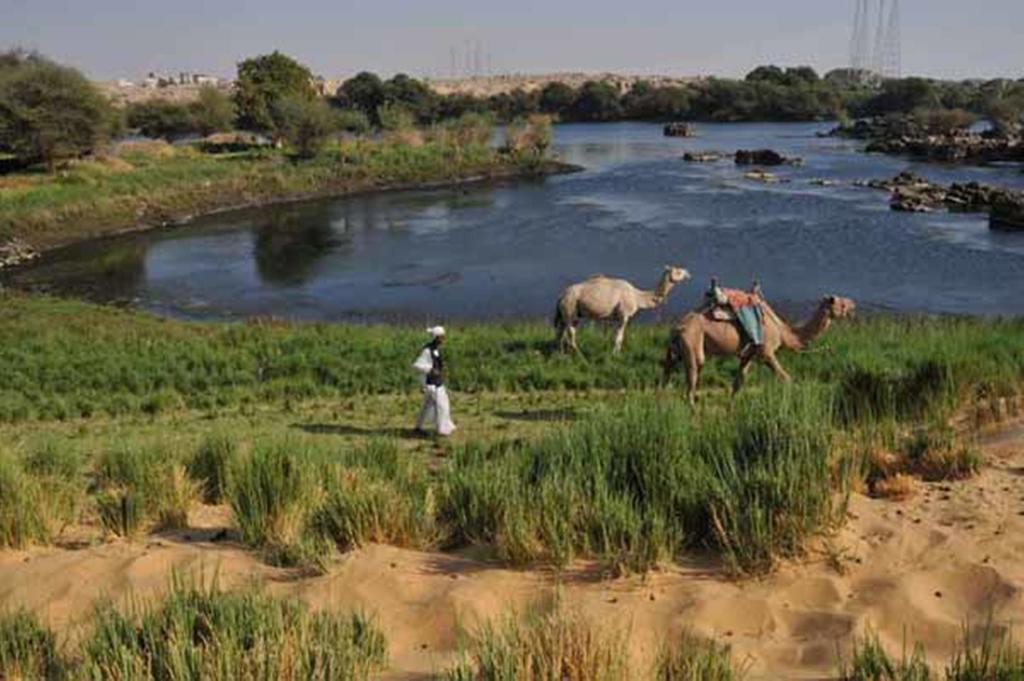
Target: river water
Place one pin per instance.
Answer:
(506, 251)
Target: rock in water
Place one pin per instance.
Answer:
(914, 194)
(763, 157)
(1007, 215)
(15, 252)
(678, 129)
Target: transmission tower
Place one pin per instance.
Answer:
(860, 40)
(890, 51)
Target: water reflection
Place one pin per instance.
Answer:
(289, 246)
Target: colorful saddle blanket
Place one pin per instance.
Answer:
(741, 307)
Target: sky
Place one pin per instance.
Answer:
(123, 38)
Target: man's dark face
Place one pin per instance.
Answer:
(438, 340)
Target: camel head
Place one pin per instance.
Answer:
(676, 275)
(838, 307)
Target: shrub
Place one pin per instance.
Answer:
(305, 124)
(529, 137)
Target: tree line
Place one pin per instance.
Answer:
(50, 112)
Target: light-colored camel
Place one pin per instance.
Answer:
(601, 297)
(696, 336)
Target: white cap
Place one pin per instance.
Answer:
(436, 331)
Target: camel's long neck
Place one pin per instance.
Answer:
(649, 299)
(815, 326)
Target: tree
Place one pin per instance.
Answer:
(903, 96)
(801, 74)
(556, 98)
(414, 95)
(265, 81)
(364, 91)
(48, 112)
(769, 73)
(161, 119)
(305, 123)
(213, 111)
(597, 101)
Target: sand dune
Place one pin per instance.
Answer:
(913, 569)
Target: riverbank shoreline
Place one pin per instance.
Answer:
(19, 249)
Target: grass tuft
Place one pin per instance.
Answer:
(200, 632)
(689, 658)
(552, 644)
(27, 649)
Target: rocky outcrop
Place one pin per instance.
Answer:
(702, 156)
(1007, 215)
(906, 135)
(763, 157)
(679, 129)
(15, 252)
(914, 194)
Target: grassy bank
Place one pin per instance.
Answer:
(128, 420)
(151, 183)
(65, 359)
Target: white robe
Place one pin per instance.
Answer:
(436, 408)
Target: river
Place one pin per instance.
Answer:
(506, 251)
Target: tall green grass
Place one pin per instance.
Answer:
(211, 465)
(872, 663)
(198, 632)
(39, 495)
(28, 650)
(66, 359)
(298, 501)
(275, 494)
(689, 658)
(644, 482)
(140, 486)
(378, 494)
(551, 643)
(988, 655)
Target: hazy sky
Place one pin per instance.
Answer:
(122, 38)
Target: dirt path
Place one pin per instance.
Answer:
(911, 570)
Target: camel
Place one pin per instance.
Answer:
(696, 336)
(602, 297)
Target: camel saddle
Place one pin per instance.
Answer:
(742, 308)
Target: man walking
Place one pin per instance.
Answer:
(436, 408)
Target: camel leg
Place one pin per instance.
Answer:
(620, 334)
(571, 328)
(773, 362)
(746, 361)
